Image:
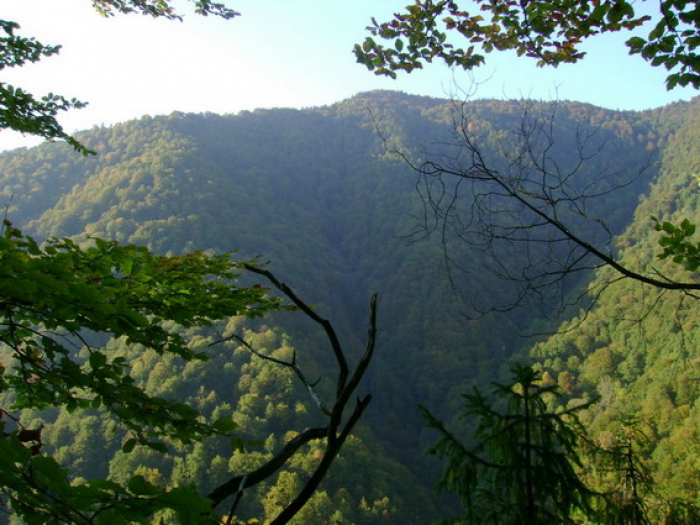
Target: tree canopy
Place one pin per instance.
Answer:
(162, 8)
(64, 302)
(327, 209)
(550, 32)
(553, 34)
(58, 303)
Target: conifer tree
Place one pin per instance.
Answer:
(523, 468)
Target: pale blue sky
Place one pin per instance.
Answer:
(280, 53)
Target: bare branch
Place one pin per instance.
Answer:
(287, 364)
(327, 327)
(335, 439)
(233, 485)
(530, 201)
(338, 428)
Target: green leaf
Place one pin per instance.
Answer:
(157, 446)
(224, 424)
(129, 445)
(140, 487)
(97, 360)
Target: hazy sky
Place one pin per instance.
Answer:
(280, 53)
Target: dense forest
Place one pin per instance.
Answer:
(330, 198)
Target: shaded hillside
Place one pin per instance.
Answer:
(319, 193)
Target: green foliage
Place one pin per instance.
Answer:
(24, 112)
(523, 468)
(61, 297)
(626, 478)
(162, 8)
(20, 110)
(617, 467)
(551, 32)
(329, 205)
(42, 492)
(676, 243)
(635, 348)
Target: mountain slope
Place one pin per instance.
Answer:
(637, 349)
(319, 193)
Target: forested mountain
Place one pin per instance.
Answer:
(637, 348)
(323, 195)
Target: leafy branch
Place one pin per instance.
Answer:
(677, 245)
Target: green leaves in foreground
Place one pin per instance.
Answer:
(51, 297)
(676, 243)
(28, 114)
(522, 469)
(59, 303)
(459, 33)
(20, 110)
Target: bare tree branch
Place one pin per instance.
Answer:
(327, 327)
(530, 200)
(287, 364)
(339, 427)
(237, 483)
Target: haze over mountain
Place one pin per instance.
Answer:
(323, 196)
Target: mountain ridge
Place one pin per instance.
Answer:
(320, 193)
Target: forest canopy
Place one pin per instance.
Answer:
(64, 303)
(329, 204)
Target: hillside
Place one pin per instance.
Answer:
(321, 194)
(637, 348)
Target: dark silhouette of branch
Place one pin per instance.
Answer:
(287, 364)
(528, 201)
(333, 445)
(309, 312)
(237, 483)
(339, 425)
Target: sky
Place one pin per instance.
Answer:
(279, 53)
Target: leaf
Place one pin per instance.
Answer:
(190, 507)
(97, 360)
(129, 445)
(157, 446)
(224, 424)
(140, 487)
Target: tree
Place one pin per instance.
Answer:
(522, 469)
(531, 178)
(550, 32)
(21, 111)
(632, 482)
(622, 476)
(59, 303)
(532, 463)
(522, 193)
